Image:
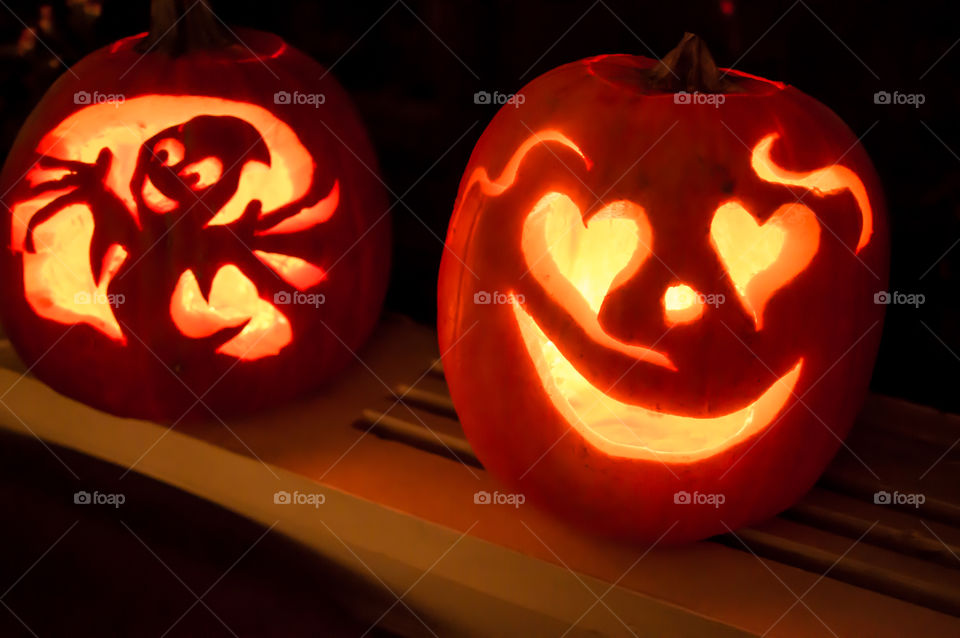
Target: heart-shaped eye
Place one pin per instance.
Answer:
(762, 258)
(591, 256)
(578, 264)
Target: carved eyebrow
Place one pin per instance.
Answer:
(821, 181)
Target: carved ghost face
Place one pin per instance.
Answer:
(179, 238)
(662, 305)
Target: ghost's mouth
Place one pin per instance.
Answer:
(633, 431)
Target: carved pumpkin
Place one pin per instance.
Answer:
(655, 310)
(193, 225)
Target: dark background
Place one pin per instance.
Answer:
(413, 67)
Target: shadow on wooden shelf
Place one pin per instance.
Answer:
(399, 480)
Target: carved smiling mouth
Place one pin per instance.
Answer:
(633, 431)
(578, 260)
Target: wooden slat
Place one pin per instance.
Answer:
(911, 423)
(902, 532)
(414, 434)
(843, 506)
(861, 564)
(434, 401)
(317, 449)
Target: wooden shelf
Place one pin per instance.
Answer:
(399, 479)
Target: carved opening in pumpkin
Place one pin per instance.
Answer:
(207, 171)
(57, 278)
(681, 304)
(632, 431)
(578, 264)
(59, 282)
(823, 181)
(233, 302)
(761, 259)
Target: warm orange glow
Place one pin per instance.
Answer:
(293, 270)
(155, 200)
(681, 304)
(761, 259)
(308, 217)
(579, 264)
(820, 182)
(233, 302)
(57, 279)
(38, 175)
(169, 151)
(124, 127)
(509, 175)
(208, 172)
(24, 211)
(632, 431)
(59, 270)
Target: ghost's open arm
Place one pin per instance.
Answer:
(78, 175)
(81, 178)
(112, 221)
(315, 208)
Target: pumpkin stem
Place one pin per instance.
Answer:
(180, 26)
(689, 67)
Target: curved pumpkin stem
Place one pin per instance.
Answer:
(690, 67)
(181, 26)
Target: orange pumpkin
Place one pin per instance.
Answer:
(193, 223)
(656, 300)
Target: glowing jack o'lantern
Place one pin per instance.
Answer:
(688, 289)
(184, 233)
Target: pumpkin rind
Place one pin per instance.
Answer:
(340, 255)
(598, 134)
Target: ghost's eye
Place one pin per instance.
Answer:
(202, 174)
(762, 258)
(169, 151)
